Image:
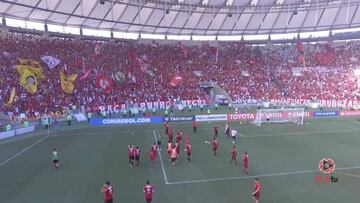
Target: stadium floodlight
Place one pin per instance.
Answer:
(254, 2)
(229, 2)
(292, 115)
(205, 2)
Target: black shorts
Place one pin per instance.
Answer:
(173, 159)
(137, 158)
(108, 201)
(55, 161)
(131, 157)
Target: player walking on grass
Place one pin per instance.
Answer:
(216, 131)
(169, 149)
(55, 158)
(188, 151)
(107, 189)
(152, 156)
(178, 137)
(148, 190)
(194, 126)
(177, 147)
(173, 156)
(137, 156)
(227, 130)
(170, 135)
(257, 190)
(245, 159)
(131, 156)
(215, 145)
(233, 155)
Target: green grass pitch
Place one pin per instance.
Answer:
(285, 158)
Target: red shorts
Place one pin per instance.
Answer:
(257, 196)
(245, 164)
(178, 150)
(189, 153)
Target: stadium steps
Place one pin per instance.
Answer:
(217, 90)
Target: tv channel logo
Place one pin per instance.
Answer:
(326, 166)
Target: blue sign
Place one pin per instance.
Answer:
(125, 121)
(326, 113)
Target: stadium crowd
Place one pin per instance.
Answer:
(323, 71)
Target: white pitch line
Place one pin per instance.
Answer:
(255, 176)
(348, 174)
(23, 151)
(161, 161)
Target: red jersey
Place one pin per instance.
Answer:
(245, 158)
(108, 191)
(155, 148)
(166, 126)
(178, 138)
(216, 130)
(257, 187)
(137, 152)
(133, 152)
(148, 190)
(186, 138)
(215, 145)
(152, 155)
(188, 149)
(170, 134)
(233, 152)
(194, 124)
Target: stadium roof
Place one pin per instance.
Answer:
(190, 17)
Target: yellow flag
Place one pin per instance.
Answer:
(12, 96)
(33, 66)
(67, 82)
(28, 80)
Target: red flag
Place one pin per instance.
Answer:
(104, 83)
(176, 80)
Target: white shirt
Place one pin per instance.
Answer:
(233, 133)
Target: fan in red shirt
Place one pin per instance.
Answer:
(233, 155)
(178, 136)
(107, 189)
(188, 151)
(215, 146)
(148, 190)
(170, 135)
(257, 190)
(152, 155)
(194, 126)
(216, 131)
(245, 159)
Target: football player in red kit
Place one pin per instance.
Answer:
(155, 148)
(257, 190)
(186, 138)
(216, 131)
(178, 137)
(177, 146)
(148, 190)
(170, 135)
(169, 148)
(245, 159)
(137, 156)
(107, 189)
(233, 155)
(194, 126)
(152, 156)
(166, 126)
(188, 151)
(215, 145)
